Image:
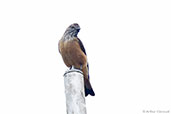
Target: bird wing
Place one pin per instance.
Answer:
(81, 46)
(83, 49)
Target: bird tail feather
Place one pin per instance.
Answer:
(88, 88)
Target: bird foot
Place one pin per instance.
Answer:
(81, 67)
(72, 67)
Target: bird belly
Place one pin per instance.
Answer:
(73, 55)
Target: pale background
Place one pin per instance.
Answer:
(128, 43)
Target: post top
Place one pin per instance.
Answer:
(73, 70)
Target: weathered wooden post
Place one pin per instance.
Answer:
(74, 91)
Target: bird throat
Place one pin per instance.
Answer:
(70, 36)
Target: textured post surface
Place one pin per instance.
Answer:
(74, 91)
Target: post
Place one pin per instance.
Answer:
(74, 91)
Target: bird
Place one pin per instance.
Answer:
(74, 54)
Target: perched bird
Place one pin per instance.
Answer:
(74, 55)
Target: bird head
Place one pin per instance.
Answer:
(72, 30)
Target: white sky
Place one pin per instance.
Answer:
(128, 44)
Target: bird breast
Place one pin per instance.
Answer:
(72, 53)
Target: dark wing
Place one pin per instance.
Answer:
(81, 46)
(83, 49)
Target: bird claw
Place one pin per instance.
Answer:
(81, 67)
(72, 67)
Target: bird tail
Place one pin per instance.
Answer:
(88, 88)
